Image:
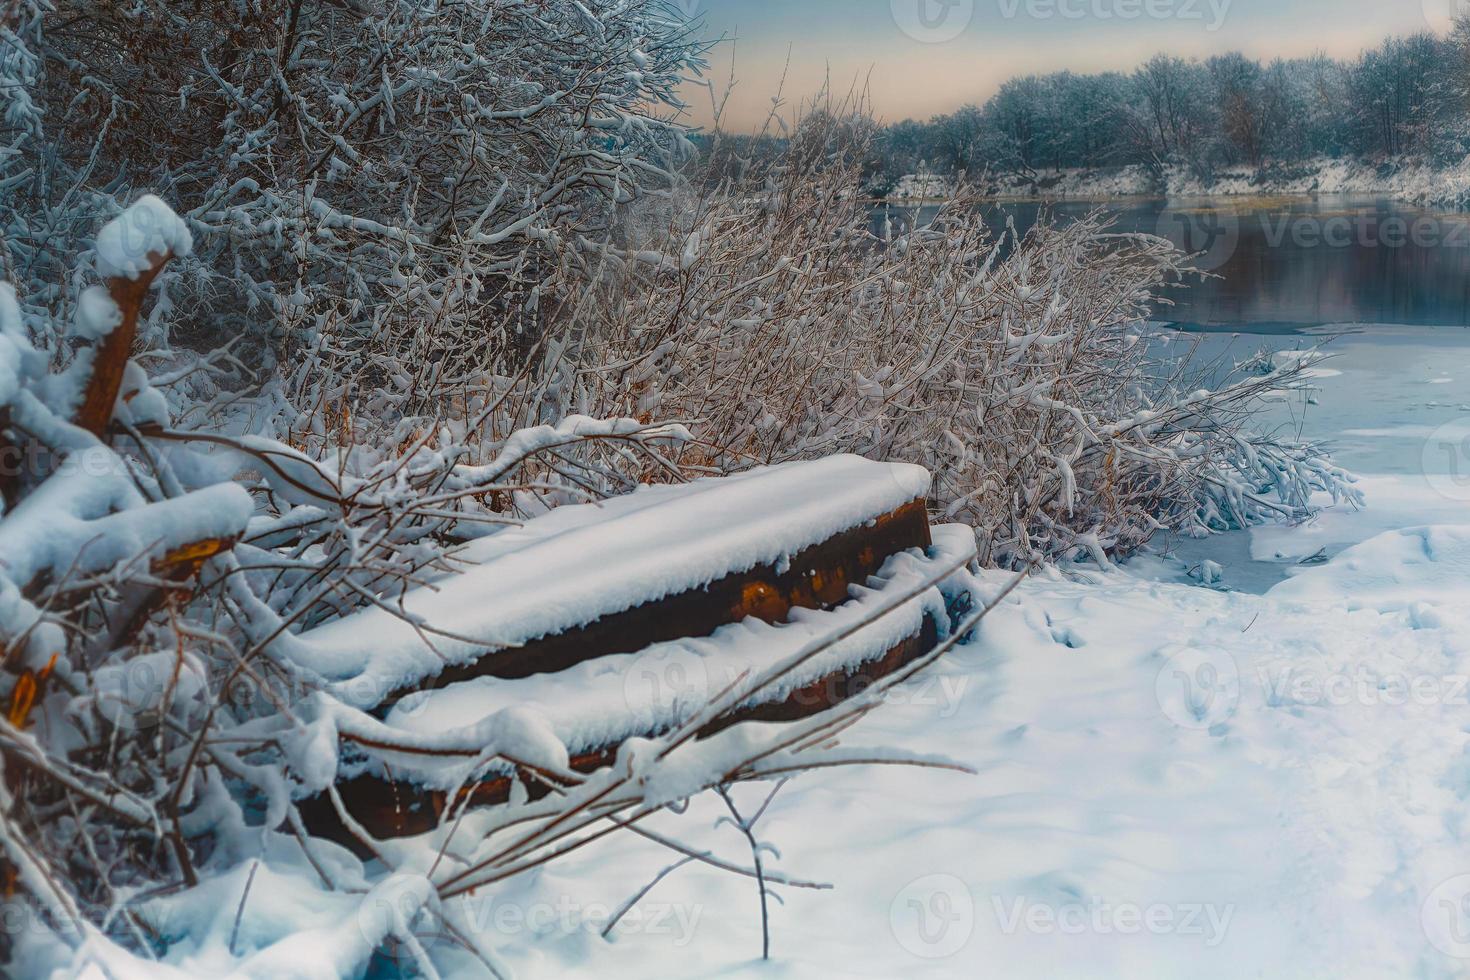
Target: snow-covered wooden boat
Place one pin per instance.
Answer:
(622, 619)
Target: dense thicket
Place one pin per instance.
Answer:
(1017, 370)
(376, 187)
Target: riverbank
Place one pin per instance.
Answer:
(1411, 181)
(1247, 779)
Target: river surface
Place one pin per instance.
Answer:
(1382, 287)
(1279, 264)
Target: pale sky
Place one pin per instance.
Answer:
(918, 72)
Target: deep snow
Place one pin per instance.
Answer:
(1264, 777)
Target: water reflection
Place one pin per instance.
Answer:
(1285, 263)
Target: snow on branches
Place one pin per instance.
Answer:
(383, 184)
(148, 573)
(166, 708)
(1019, 370)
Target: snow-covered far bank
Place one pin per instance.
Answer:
(1412, 181)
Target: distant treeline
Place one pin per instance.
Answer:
(1406, 97)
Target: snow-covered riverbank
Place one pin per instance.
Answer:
(1172, 780)
(1265, 776)
(1410, 181)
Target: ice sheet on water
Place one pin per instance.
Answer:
(1392, 570)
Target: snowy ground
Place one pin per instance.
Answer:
(1172, 780)
(1265, 777)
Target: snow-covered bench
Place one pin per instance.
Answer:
(624, 618)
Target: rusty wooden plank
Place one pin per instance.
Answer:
(398, 808)
(816, 578)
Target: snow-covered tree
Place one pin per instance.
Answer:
(1405, 97)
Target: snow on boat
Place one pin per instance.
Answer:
(624, 619)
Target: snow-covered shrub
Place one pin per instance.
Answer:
(145, 570)
(380, 187)
(786, 320)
